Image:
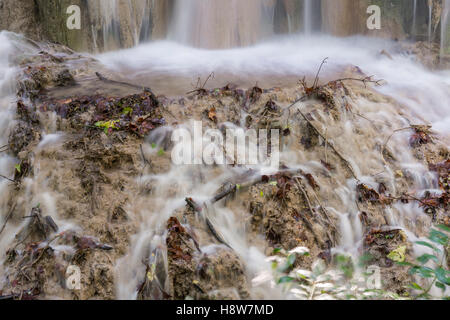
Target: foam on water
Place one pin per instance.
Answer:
(424, 92)
(421, 93)
(418, 91)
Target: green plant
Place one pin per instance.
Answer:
(341, 283)
(107, 126)
(438, 275)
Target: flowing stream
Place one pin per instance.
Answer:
(417, 95)
(408, 83)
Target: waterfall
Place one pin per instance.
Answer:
(414, 28)
(222, 24)
(307, 16)
(430, 19)
(445, 27)
(151, 194)
(125, 23)
(109, 22)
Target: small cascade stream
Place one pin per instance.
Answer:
(430, 20)
(308, 16)
(288, 57)
(246, 51)
(445, 26)
(414, 26)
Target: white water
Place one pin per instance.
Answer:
(423, 95)
(221, 24)
(414, 27)
(445, 26)
(6, 116)
(118, 21)
(409, 82)
(430, 19)
(308, 16)
(11, 45)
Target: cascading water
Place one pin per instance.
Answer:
(222, 24)
(412, 94)
(414, 28)
(123, 23)
(287, 58)
(308, 16)
(430, 19)
(6, 116)
(110, 23)
(445, 26)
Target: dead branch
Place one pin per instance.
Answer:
(306, 221)
(2, 176)
(316, 80)
(363, 80)
(7, 218)
(43, 251)
(210, 226)
(202, 88)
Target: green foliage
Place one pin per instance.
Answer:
(161, 152)
(398, 255)
(107, 126)
(127, 111)
(285, 279)
(437, 274)
(345, 264)
(343, 282)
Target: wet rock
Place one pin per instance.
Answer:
(20, 137)
(281, 212)
(64, 79)
(202, 275)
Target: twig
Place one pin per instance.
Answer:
(43, 251)
(7, 218)
(211, 76)
(316, 80)
(363, 80)
(308, 224)
(2, 176)
(202, 88)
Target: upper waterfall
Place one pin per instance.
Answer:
(219, 24)
(222, 24)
